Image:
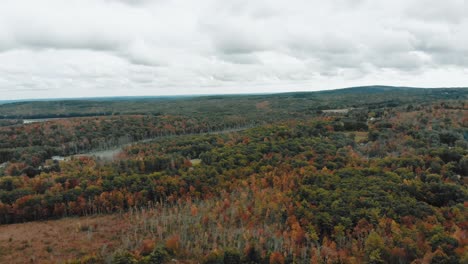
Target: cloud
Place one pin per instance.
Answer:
(51, 48)
(453, 11)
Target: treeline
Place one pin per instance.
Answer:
(249, 106)
(10, 122)
(60, 115)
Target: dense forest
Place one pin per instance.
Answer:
(284, 105)
(360, 175)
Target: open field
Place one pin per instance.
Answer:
(56, 241)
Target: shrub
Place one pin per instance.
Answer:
(251, 255)
(276, 258)
(123, 257)
(158, 256)
(232, 256)
(214, 257)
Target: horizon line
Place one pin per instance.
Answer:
(87, 98)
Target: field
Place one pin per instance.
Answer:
(56, 241)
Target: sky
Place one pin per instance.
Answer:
(90, 48)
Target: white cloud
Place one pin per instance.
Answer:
(55, 48)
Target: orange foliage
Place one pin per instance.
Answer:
(276, 258)
(173, 243)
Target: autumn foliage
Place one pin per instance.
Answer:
(325, 189)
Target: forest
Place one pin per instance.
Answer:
(358, 175)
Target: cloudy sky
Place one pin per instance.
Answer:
(82, 48)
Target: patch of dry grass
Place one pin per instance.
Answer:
(359, 136)
(56, 241)
(189, 229)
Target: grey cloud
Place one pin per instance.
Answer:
(140, 53)
(165, 46)
(233, 38)
(130, 2)
(453, 11)
(240, 58)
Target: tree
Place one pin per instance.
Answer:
(232, 256)
(374, 249)
(123, 257)
(276, 258)
(158, 256)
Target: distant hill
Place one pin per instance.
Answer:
(113, 98)
(391, 92)
(384, 89)
(372, 89)
(240, 105)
